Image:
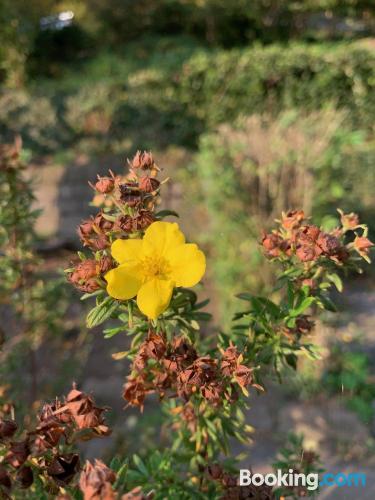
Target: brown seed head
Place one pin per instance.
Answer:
(25, 477)
(18, 453)
(143, 160)
(148, 184)
(105, 185)
(7, 428)
(96, 481)
(63, 468)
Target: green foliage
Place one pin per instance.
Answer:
(293, 456)
(163, 474)
(173, 98)
(36, 304)
(348, 374)
(262, 165)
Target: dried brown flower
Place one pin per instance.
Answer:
(5, 480)
(144, 219)
(130, 194)
(63, 468)
(96, 481)
(215, 471)
(143, 160)
(7, 428)
(10, 154)
(148, 184)
(329, 244)
(292, 219)
(25, 477)
(84, 412)
(84, 276)
(93, 232)
(135, 391)
(105, 185)
(124, 223)
(274, 245)
(362, 245)
(243, 375)
(104, 264)
(304, 324)
(18, 453)
(349, 221)
(230, 361)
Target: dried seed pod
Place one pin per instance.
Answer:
(105, 185)
(143, 160)
(124, 223)
(7, 428)
(96, 481)
(63, 468)
(5, 480)
(130, 194)
(144, 219)
(149, 184)
(18, 453)
(25, 477)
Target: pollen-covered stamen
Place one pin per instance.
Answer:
(154, 266)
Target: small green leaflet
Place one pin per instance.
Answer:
(101, 312)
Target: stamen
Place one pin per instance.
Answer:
(155, 267)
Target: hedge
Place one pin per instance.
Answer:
(176, 100)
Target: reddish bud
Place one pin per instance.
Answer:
(105, 185)
(362, 245)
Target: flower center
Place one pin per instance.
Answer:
(155, 267)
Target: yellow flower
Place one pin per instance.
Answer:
(150, 268)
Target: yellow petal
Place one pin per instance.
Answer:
(154, 297)
(161, 236)
(126, 250)
(188, 264)
(123, 282)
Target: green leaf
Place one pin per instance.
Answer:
(101, 312)
(165, 213)
(140, 465)
(111, 332)
(245, 296)
(305, 304)
(86, 296)
(327, 304)
(336, 280)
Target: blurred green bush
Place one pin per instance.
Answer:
(155, 99)
(253, 169)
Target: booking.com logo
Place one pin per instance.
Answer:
(310, 481)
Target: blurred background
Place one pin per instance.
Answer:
(251, 107)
